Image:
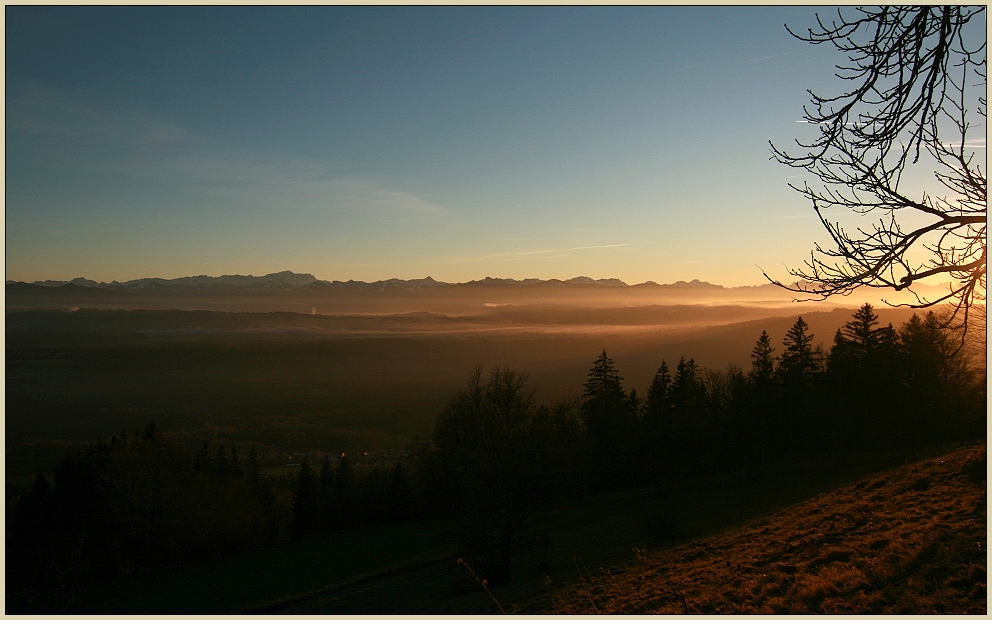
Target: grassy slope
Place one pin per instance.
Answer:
(587, 540)
(909, 540)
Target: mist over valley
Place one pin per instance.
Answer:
(304, 364)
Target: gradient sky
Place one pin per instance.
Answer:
(370, 143)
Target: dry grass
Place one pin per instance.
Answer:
(910, 540)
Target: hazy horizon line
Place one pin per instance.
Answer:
(287, 272)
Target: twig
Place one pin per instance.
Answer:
(584, 585)
(482, 582)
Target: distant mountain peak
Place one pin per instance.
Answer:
(289, 280)
(694, 284)
(600, 282)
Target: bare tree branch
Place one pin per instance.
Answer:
(915, 72)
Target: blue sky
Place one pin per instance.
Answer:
(379, 142)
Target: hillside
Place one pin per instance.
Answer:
(909, 540)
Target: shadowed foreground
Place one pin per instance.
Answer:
(910, 540)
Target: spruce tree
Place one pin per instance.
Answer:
(866, 341)
(611, 420)
(604, 383)
(605, 404)
(863, 373)
(861, 344)
(688, 392)
(860, 330)
(936, 381)
(762, 361)
(800, 360)
(658, 399)
(657, 438)
(689, 403)
(636, 404)
(802, 422)
(920, 342)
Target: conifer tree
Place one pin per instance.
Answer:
(862, 361)
(802, 420)
(762, 361)
(800, 360)
(920, 340)
(688, 405)
(935, 379)
(863, 339)
(611, 419)
(657, 437)
(605, 405)
(841, 357)
(636, 404)
(658, 398)
(603, 385)
(688, 392)
(860, 330)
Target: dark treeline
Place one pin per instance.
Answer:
(497, 457)
(139, 503)
(876, 388)
(135, 504)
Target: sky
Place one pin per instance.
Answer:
(370, 143)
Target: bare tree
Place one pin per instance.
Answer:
(918, 81)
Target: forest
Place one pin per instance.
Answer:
(139, 503)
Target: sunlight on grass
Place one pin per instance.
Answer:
(910, 540)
